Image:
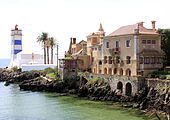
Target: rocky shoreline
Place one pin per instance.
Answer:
(149, 99)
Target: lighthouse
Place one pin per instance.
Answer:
(16, 44)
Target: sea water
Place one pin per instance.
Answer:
(4, 63)
(26, 105)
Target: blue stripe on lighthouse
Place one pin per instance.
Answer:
(17, 51)
(17, 42)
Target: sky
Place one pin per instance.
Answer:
(63, 19)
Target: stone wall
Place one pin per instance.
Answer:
(136, 83)
(67, 73)
(158, 83)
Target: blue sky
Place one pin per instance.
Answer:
(74, 18)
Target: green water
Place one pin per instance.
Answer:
(26, 105)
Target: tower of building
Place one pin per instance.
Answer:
(16, 44)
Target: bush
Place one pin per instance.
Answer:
(162, 77)
(49, 70)
(15, 68)
(168, 77)
(52, 72)
(96, 81)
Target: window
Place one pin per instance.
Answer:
(128, 59)
(117, 59)
(146, 60)
(141, 60)
(143, 41)
(159, 60)
(115, 71)
(153, 41)
(107, 44)
(128, 43)
(100, 48)
(110, 60)
(148, 41)
(92, 59)
(100, 62)
(117, 44)
(105, 59)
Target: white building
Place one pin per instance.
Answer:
(23, 60)
(28, 59)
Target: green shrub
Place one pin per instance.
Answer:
(168, 72)
(49, 70)
(15, 68)
(52, 72)
(157, 76)
(41, 71)
(162, 77)
(97, 80)
(86, 73)
(52, 75)
(168, 77)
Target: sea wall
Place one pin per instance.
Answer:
(157, 83)
(127, 85)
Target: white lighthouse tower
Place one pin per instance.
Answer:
(16, 45)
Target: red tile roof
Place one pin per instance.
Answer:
(130, 29)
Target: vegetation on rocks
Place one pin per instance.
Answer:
(15, 68)
(159, 74)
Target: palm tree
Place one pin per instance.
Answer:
(43, 38)
(47, 45)
(52, 45)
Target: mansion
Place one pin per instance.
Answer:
(129, 51)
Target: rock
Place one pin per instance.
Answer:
(6, 83)
(127, 106)
(136, 105)
(73, 91)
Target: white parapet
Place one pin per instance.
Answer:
(36, 67)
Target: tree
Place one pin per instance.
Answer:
(42, 39)
(52, 45)
(47, 45)
(165, 45)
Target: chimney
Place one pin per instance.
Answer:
(71, 40)
(74, 40)
(153, 25)
(140, 24)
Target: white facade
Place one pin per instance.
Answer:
(36, 67)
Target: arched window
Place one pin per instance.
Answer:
(115, 71)
(100, 71)
(105, 70)
(121, 71)
(94, 70)
(110, 71)
(100, 62)
(128, 59)
(120, 86)
(105, 59)
(110, 60)
(128, 91)
(128, 72)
